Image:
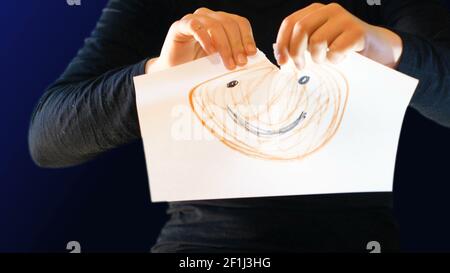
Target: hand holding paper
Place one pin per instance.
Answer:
(203, 33)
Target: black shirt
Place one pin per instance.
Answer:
(91, 108)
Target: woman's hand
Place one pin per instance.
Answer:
(330, 32)
(205, 32)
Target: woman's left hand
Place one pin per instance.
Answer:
(330, 32)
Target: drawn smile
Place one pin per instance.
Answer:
(261, 131)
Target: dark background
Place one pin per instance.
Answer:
(105, 204)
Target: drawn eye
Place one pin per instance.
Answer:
(232, 84)
(303, 80)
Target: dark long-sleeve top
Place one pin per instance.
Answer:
(91, 108)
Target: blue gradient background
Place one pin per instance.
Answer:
(105, 204)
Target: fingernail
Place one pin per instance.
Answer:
(231, 63)
(281, 59)
(241, 59)
(251, 48)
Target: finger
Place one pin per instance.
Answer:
(234, 37)
(302, 32)
(246, 34)
(219, 38)
(322, 38)
(285, 31)
(298, 45)
(348, 41)
(233, 34)
(190, 26)
(222, 43)
(300, 38)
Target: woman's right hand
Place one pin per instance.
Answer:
(203, 33)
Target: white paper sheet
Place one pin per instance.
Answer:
(210, 133)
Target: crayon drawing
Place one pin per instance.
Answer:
(265, 113)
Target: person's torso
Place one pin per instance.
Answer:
(332, 222)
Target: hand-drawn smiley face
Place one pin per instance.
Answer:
(265, 113)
